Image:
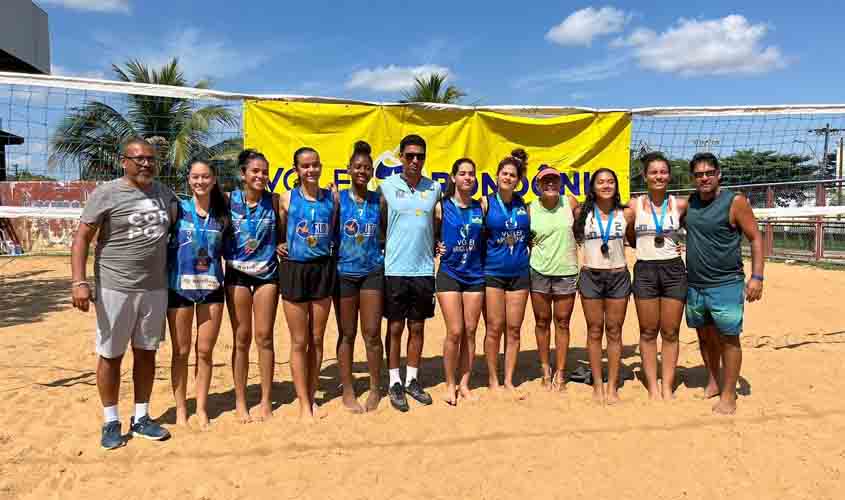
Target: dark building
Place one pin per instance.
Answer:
(24, 37)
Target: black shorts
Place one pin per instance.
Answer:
(604, 284)
(660, 278)
(306, 281)
(408, 297)
(175, 301)
(348, 286)
(445, 283)
(240, 278)
(509, 284)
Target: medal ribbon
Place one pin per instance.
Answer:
(200, 239)
(511, 214)
(605, 232)
(658, 226)
(250, 221)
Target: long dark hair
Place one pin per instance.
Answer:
(590, 203)
(450, 184)
(296, 154)
(218, 206)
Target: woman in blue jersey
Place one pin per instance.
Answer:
(460, 277)
(360, 267)
(307, 275)
(195, 281)
(251, 283)
(604, 281)
(506, 267)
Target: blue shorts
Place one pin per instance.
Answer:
(721, 306)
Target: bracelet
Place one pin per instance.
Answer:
(76, 284)
(758, 277)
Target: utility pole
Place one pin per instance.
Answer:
(825, 131)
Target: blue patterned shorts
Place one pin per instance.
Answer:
(722, 306)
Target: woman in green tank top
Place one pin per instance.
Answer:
(554, 272)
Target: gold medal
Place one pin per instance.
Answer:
(312, 241)
(510, 240)
(359, 238)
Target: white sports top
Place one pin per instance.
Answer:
(646, 230)
(593, 258)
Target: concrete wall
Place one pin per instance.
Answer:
(24, 37)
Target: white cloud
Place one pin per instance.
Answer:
(201, 55)
(391, 78)
(582, 26)
(730, 45)
(121, 6)
(592, 72)
(63, 71)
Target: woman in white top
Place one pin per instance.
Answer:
(660, 276)
(604, 282)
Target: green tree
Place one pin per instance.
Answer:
(90, 135)
(433, 88)
(26, 175)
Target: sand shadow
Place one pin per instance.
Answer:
(696, 378)
(25, 300)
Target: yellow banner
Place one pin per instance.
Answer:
(577, 145)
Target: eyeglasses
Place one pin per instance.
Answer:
(411, 156)
(142, 160)
(705, 173)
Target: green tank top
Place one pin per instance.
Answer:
(554, 251)
(714, 256)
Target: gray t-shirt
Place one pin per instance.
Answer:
(134, 226)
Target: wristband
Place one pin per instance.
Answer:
(758, 277)
(77, 284)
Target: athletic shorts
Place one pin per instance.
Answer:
(510, 283)
(408, 297)
(348, 286)
(660, 278)
(129, 316)
(722, 306)
(604, 284)
(445, 283)
(175, 301)
(553, 285)
(240, 278)
(306, 281)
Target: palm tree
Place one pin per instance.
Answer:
(90, 135)
(433, 88)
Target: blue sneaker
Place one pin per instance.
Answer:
(148, 428)
(111, 436)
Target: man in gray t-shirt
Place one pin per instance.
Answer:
(131, 217)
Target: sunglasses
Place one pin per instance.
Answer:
(705, 173)
(142, 160)
(411, 156)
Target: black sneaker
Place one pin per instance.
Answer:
(148, 428)
(397, 397)
(415, 390)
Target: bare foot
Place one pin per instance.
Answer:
(559, 382)
(373, 399)
(711, 391)
(265, 412)
(451, 397)
(546, 381)
(598, 395)
(655, 395)
(242, 414)
(318, 412)
(182, 416)
(725, 406)
(667, 393)
(467, 394)
(612, 397)
(202, 420)
(352, 404)
(514, 392)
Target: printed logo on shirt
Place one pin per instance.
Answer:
(352, 228)
(318, 229)
(149, 219)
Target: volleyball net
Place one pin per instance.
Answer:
(60, 136)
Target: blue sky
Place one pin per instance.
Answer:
(614, 54)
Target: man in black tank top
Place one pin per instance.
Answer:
(715, 221)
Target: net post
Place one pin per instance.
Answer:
(820, 202)
(770, 230)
